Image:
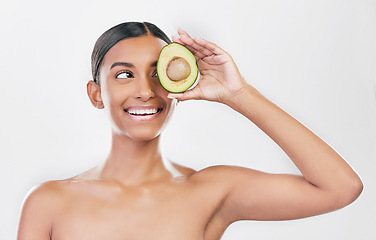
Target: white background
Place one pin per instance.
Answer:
(315, 59)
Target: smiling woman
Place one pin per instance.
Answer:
(137, 194)
(129, 84)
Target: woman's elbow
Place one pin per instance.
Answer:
(356, 188)
(349, 192)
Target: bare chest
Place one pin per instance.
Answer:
(161, 213)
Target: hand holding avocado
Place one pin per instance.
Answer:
(220, 78)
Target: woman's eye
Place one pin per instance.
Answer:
(124, 75)
(155, 74)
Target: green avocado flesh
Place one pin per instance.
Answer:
(177, 68)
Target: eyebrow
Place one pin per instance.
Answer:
(126, 64)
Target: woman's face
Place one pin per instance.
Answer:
(130, 90)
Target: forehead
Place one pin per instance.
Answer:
(135, 50)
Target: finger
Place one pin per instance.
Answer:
(186, 41)
(209, 46)
(200, 43)
(177, 40)
(198, 51)
(219, 55)
(182, 32)
(198, 46)
(203, 49)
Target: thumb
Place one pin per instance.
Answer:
(188, 95)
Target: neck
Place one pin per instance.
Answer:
(134, 162)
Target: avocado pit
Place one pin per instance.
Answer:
(178, 69)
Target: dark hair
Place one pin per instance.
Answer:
(117, 33)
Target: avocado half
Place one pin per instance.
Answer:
(177, 68)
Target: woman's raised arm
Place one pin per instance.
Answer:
(328, 182)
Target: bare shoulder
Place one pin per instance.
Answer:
(40, 206)
(44, 191)
(49, 197)
(45, 197)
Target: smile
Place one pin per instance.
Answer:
(143, 113)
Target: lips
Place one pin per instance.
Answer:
(141, 113)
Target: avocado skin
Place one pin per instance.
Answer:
(169, 52)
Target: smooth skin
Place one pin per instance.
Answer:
(136, 194)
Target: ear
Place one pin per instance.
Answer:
(94, 93)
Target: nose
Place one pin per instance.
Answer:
(145, 89)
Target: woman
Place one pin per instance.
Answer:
(137, 194)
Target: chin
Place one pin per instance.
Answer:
(138, 134)
(144, 136)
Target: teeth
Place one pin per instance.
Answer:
(142, 111)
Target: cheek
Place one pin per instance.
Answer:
(114, 95)
(161, 92)
(170, 103)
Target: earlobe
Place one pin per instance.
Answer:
(94, 93)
